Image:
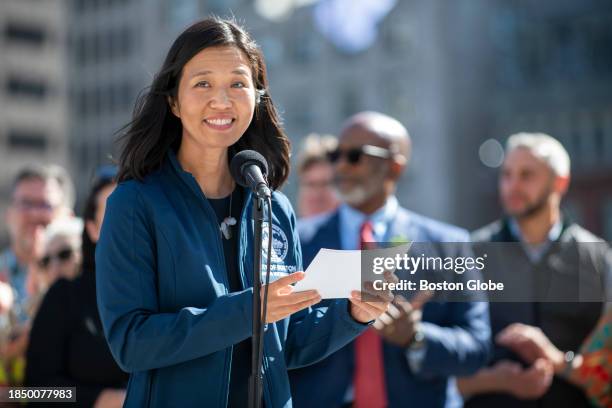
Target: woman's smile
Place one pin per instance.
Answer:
(219, 124)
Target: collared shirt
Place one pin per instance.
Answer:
(351, 221)
(535, 252)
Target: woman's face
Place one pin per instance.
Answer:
(61, 259)
(216, 98)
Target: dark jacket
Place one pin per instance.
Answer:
(566, 324)
(67, 347)
(163, 295)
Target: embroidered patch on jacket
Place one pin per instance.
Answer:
(280, 243)
(280, 250)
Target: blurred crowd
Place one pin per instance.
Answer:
(532, 353)
(472, 354)
(51, 333)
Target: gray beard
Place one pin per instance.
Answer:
(355, 197)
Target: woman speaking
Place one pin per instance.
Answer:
(174, 257)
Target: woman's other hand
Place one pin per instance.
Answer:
(283, 301)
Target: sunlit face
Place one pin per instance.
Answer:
(216, 98)
(317, 193)
(359, 182)
(35, 204)
(526, 183)
(93, 227)
(61, 259)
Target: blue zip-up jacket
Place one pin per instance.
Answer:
(163, 298)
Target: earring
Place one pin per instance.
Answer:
(258, 94)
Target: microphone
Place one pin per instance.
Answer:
(249, 169)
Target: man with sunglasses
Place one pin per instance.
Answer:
(412, 355)
(39, 196)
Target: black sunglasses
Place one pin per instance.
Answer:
(62, 255)
(353, 156)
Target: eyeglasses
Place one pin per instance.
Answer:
(28, 205)
(353, 156)
(62, 255)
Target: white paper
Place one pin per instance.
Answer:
(335, 273)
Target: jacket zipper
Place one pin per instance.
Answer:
(228, 354)
(151, 377)
(192, 183)
(243, 225)
(226, 282)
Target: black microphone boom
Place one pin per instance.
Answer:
(250, 169)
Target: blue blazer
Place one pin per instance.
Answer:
(457, 334)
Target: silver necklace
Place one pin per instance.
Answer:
(227, 223)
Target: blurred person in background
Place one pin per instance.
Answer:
(418, 346)
(61, 256)
(590, 368)
(7, 297)
(39, 195)
(535, 175)
(67, 346)
(316, 194)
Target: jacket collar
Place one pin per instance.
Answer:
(506, 233)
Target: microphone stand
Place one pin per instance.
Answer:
(256, 379)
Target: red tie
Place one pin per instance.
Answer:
(369, 378)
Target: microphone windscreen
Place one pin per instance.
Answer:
(247, 157)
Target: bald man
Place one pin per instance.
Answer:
(410, 356)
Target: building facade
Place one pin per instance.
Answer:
(33, 96)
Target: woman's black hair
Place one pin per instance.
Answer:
(154, 129)
(89, 214)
